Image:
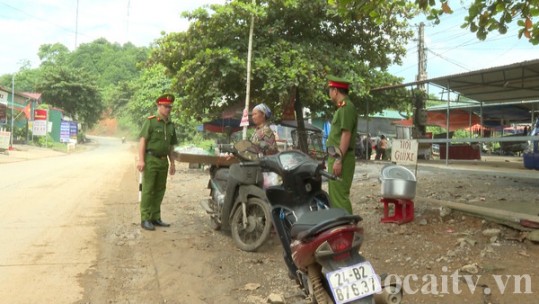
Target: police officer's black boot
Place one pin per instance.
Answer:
(160, 223)
(147, 225)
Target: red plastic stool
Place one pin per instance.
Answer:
(403, 211)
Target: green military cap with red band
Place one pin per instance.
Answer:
(338, 82)
(165, 99)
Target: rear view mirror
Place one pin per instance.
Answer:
(334, 152)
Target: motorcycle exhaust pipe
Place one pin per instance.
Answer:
(390, 294)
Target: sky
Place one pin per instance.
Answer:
(27, 24)
(453, 50)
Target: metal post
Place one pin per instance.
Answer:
(470, 123)
(47, 131)
(482, 127)
(368, 132)
(12, 106)
(447, 124)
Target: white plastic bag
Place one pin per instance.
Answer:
(271, 179)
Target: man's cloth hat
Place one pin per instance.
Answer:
(165, 99)
(337, 82)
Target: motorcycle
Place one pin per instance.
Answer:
(237, 200)
(320, 244)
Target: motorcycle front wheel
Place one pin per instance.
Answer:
(250, 232)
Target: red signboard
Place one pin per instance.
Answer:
(40, 114)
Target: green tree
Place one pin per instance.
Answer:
(73, 91)
(297, 43)
(53, 54)
(25, 79)
(152, 83)
(113, 63)
(495, 15)
(483, 16)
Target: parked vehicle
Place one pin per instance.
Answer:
(320, 244)
(237, 201)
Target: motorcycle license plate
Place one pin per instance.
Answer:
(353, 282)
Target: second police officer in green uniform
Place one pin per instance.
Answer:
(342, 135)
(157, 140)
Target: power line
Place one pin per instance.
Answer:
(449, 60)
(38, 18)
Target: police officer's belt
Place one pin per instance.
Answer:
(152, 153)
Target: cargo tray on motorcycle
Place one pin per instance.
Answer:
(205, 159)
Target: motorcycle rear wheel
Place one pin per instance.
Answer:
(253, 234)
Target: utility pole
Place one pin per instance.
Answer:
(421, 57)
(77, 25)
(248, 85)
(420, 115)
(127, 22)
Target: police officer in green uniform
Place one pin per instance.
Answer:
(342, 136)
(157, 140)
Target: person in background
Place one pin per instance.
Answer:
(263, 133)
(368, 145)
(381, 148)
(157, 140)
(343, 126)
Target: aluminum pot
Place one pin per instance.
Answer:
(398, 188)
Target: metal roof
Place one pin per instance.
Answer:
(513, 82)
(494, 113)
(511, 91)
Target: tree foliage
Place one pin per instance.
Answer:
(74, 91)
(146, 88)
(297, 43)
(85, 82)
(25, 79)
(114, 63)
(152, 83)
(488, 16)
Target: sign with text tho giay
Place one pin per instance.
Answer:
(404, 151)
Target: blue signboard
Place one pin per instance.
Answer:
(68, 131)
(73, 130)
(64, 131)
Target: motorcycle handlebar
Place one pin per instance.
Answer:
(328, 175)
(227, 148)
(255, 163)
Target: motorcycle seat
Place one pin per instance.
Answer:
(312, 223)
